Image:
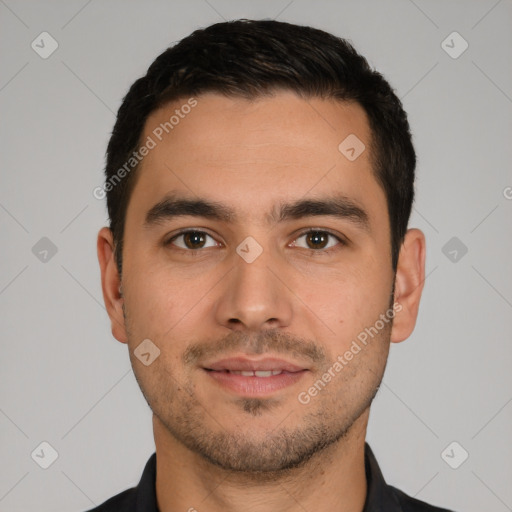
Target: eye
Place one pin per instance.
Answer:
(316, 239)
(192, 240)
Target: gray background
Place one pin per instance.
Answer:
(66, 381)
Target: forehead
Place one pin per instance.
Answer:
(257, 152)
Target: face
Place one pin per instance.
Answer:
(256, 258)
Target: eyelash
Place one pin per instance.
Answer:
(341, 241)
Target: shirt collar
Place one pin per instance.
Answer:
(379, 496)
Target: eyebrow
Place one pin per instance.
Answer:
(339, 207)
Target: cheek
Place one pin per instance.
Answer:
(166, 308)
(346, 303)
(151, 303)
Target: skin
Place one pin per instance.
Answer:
(216, 450)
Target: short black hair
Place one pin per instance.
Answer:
(253, 58)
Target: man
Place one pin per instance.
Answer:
(259, 183)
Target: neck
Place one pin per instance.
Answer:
(333, 479)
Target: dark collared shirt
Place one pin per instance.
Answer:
(380, 497)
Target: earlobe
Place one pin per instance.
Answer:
(410, 276)
(111, 284)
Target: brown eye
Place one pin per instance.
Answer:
(317, 240)
(192, 240)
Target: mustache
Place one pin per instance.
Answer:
(271, 340)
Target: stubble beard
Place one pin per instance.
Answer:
(269, 456)
(326, 421)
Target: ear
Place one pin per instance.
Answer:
(110, 284)
(410, 276)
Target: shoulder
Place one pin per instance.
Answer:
(123, 502)
(139, 498)
(409, 504)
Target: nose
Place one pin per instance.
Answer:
(254, 296)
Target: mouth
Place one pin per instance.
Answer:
(255, 373)
(254, 378)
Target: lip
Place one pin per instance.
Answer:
(254, 386)
(245, 364)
